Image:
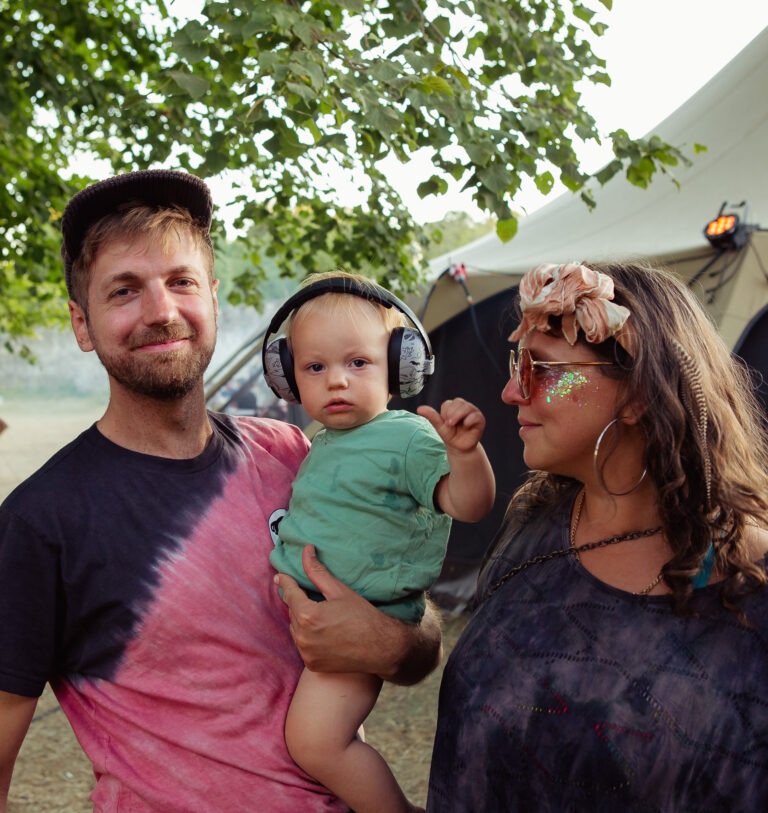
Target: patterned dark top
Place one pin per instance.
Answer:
(565, 694)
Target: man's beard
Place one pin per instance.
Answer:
(162, 376)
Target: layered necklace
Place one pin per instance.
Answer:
(574, 550)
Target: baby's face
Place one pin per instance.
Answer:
(340, 362)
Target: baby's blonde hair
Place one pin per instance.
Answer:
(345, 303)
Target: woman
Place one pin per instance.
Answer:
(616, 658)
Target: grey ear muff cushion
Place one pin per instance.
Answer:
(413, 362)
(278, 371)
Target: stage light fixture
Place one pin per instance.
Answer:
(726, 231)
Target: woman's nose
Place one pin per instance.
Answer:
(512, 394)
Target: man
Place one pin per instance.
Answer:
(134, 569)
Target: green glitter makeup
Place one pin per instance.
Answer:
(564, 385)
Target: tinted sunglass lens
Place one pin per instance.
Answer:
(524, 368)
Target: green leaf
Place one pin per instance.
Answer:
(480, 152)
(495, 177)
(640, 173)
(302, 90)
(699, 148)
(544, 182)
(437, 84)
(460, 75)
(608, 171)
(506, 229)
(587, 197)
(434, 186)
(195, 86)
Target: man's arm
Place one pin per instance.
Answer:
(346, 633)
(15, 716)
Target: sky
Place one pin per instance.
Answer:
(658, 54)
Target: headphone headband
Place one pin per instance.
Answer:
(342, 285)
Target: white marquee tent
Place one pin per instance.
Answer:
(729, 115)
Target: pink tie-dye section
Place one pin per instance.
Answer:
(193, 720)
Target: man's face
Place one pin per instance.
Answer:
(151, 317)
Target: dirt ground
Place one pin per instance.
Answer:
(52, 774)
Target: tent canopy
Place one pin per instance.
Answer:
(728, 115)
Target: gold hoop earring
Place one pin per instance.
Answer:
(599, 474)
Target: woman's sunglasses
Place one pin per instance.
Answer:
(522, 370)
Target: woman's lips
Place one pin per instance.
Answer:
(525, 426)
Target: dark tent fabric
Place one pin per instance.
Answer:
(472, 362)
(752, 347)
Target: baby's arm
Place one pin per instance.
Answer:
(467, 492)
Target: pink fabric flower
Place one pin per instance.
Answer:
(581, 296)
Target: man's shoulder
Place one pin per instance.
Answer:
(56, 472)
(276, 438)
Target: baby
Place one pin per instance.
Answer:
(374, 495)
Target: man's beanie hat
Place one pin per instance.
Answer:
(151, 187)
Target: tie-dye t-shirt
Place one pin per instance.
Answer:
(141, 588)
(565, 694)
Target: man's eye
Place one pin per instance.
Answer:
(120, 292)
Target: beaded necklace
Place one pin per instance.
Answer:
(573, 550)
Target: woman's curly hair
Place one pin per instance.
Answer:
(705, 435)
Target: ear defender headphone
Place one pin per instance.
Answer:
(409, 356)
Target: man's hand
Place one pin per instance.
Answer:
(346, 633)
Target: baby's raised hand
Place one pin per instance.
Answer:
(459, 423)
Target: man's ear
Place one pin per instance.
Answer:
(214, 291)
(80, 326)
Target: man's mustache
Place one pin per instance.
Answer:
(167, 333)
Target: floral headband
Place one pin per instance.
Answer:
(581, 296)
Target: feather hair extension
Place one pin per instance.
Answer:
(692, 393)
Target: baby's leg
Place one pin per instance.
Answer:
(325, 714)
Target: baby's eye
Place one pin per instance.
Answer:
(315, 368)
(359, 363)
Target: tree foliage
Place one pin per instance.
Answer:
(293, 95)
(454, 230)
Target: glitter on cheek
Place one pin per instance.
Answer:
(568, 385)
